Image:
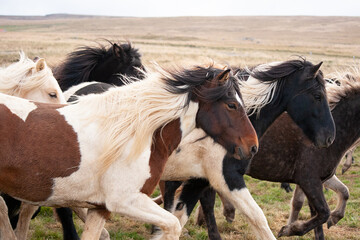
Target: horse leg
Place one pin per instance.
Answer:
(207, 201)
(5, 227)
(26, 212)
(139, 206)
(95, 222)
(314, 193)
(168, 189)
(66, 218)
(349, 159)
(286, 187)
(82, 213)
(343, 195)
(319, 232)
(228, 212)
(228, 209)
(13, 206)
(297, 202)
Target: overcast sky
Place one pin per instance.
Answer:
(160, 8)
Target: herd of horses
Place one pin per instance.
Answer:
(98, 133)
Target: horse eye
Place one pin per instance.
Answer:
(53, 95)
(232, 106)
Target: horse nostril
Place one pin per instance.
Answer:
(253, 150)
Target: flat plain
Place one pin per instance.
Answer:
(184, 41)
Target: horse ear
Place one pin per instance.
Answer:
(40, 64)
(118, 51)
(315, 69)
(224, 76)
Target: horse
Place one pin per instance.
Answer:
(295, 86)
(108, 64)
(102, 64)
(345, 100)
(311, 167)
(106, 139)
(31, 80)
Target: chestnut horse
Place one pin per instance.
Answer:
(104, 143)
(295, 86)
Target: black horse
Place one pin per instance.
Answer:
(101, 64)
(105, 64)
(305, 165)
(300, 92)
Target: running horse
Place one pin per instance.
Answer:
(103, 143)
(107, 64)
(296, 86)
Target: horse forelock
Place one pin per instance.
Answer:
(199, 82)
(342, 84)
(19, 78)
(265, 82)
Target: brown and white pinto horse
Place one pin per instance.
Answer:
(295, 86)
(103, 143)
(32, 80)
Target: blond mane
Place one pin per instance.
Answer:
(134, 111)
(342, 83)
(21, 77)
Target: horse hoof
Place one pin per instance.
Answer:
(229, 215)
(284, 231)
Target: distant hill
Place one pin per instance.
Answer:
(50, 16)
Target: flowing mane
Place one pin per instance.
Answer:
(262, 84)
(21, 77)
(146, 105)
(79, 65)
(342, 84)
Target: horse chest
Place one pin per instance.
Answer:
(35, 150)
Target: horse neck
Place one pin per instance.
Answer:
(267, 116)
(103, 72)
(346, 118)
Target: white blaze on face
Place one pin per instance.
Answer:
(17, 106)
(239, 100)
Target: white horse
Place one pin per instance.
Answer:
(30, 80)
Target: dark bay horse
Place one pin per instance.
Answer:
(104, 142)
(345, 100)
(298, 88)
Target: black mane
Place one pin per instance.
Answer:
(193, 81)
(282, 73)
(79, 65)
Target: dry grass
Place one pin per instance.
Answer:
(194, 40)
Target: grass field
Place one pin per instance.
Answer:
(236, 41)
